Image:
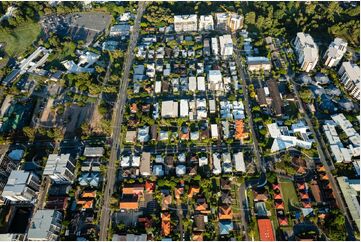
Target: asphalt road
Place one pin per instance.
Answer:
(244, 78)
(117, 121)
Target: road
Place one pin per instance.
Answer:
(242, 192)
(338, 196)
(117, 121)
(244, 78)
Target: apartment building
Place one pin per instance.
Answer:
(21, 187)
(350, 78)
(60, 168)
(206, 23)
(335, 52)
(45, 225)
(6, 166)
(185, 23)
(307, 51)
(222, 20)
(235, 22)
(226, 45)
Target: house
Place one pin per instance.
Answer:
(240, 133)
(21, 186)
(350, 78)
(239, 162)
(226, 45)
(261, 97)
(203, 161)
(45, 225)
(201, 83)
(225, 227)
(206, 23)
(60, 168)
(335, 52)
(184, 108)
(133, 189)
(158, 170)
(225, 184)
(185, 23)
(307, 51)
(166, 201)
(143, 134)
(265, 229)
(199, 221)
(166, 226)
(216, 164)
(93, 152)
(131, 136)
(145, 164)
(119, 30)
(258, 63)
(180, 170)
(91, 179)
(226, 198)
(225, 212)
(57, 202)
(129, 202)
(202, 206)
(193, 191)
(169, 109)
(214, 131)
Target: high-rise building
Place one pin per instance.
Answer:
(185, 23)
(307, 51)
(350, 78)
(335, 52)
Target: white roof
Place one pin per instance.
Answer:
(201, 84)
(184, 108)
(352, 70)
(192, 83)
(214, 130)
(216, 164)
(239, 162)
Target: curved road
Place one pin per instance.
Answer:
(117, 121)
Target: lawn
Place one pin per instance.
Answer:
(20, 38)
(289, 194)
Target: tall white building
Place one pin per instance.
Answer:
(307, 51)
(350, 78)
(60, 168)
(235, 22)
(335, 52)
(21, 187)
(215, 80)
(215, 50)
(206, 22)
(185, 23)
(226, 45)
(222, 20)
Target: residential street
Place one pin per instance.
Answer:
(117, 121)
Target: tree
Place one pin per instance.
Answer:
(29, 132)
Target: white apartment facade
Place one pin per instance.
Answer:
(185, 23)
(226, 45)
(21, 186)
(60, 168)
(206, 23)
(235, 22)
(350, 78)
(307, 51)
(335, 52)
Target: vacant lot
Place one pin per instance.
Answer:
(20, 38)
(289, 194)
